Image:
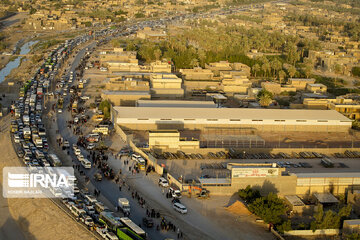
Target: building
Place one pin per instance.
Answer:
(126, 84)
(261, 119)
(233, 83)
(353, 197)
(166, 86)
(295, 203)
(170, 139)
(269, 177)
(175, 104)
(148, 33)
(300, 83)
(276, 88)
(348, 107)
(336, 183)
(351, 226)
(125, 98)
(316, 88)
(197, 74)
(160, 67)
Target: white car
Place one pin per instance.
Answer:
(90, 146)
(85, 97)
(163, 182)
(180, 208)
(102, 232)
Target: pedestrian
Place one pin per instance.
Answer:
(120, 188)
(178, 233)
(181, 234)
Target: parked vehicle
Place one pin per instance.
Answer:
(163, 182)
(124, 206)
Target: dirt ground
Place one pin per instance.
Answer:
(31, 218)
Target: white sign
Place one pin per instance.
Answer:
(38, 182)
(254, 172)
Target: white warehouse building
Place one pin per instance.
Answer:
(155, 118)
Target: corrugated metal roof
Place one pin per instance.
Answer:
(329, 175)
(229, 113)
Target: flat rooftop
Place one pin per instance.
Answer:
(329, 175)
(126, 92)
(176, 103)
(294, 200)
(229, 113)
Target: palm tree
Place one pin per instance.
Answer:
(292, 71)
(255, 69)
(282, 75)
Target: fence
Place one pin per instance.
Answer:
(150, 159)
(318, 232)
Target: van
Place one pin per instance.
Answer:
(86, 163)
(180, 208)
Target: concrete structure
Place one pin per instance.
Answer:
(300, 83)
(124, 98)
(170, 139)
(175, 104)
(160, 67)
(276, 88)
(353, 197)
(295, 203)
(148, 33)
(261, 119)
(351, 226)
(197, 74)
(126, 84)
(325, 198)
(166, 86)
(347, 107)
(118, 60)
(168, 81)
(233, 83)
(316, 88)
(336, 183)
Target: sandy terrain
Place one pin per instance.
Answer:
(32, 218)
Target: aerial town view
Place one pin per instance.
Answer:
(180, 119)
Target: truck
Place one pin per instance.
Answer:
(74, 106)
(60, 104)
(27, 133)
(124, 206)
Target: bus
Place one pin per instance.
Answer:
(112, 222)
(133, 227)
(126, 233)
(54, 160)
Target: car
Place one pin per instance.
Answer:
(90, 146)
(163, 182)
(98, 176)
(180, 208)
(85, 97)
(147, 222)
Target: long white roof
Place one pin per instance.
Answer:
(228, 113)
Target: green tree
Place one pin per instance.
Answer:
(292, 71)
(269, 208)
(265, 98)
(353, 236)
(266, 68)
(330, 219)
(105, 107)
(255, 69)
(282, 75)
(249, 194)
(157, 54)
